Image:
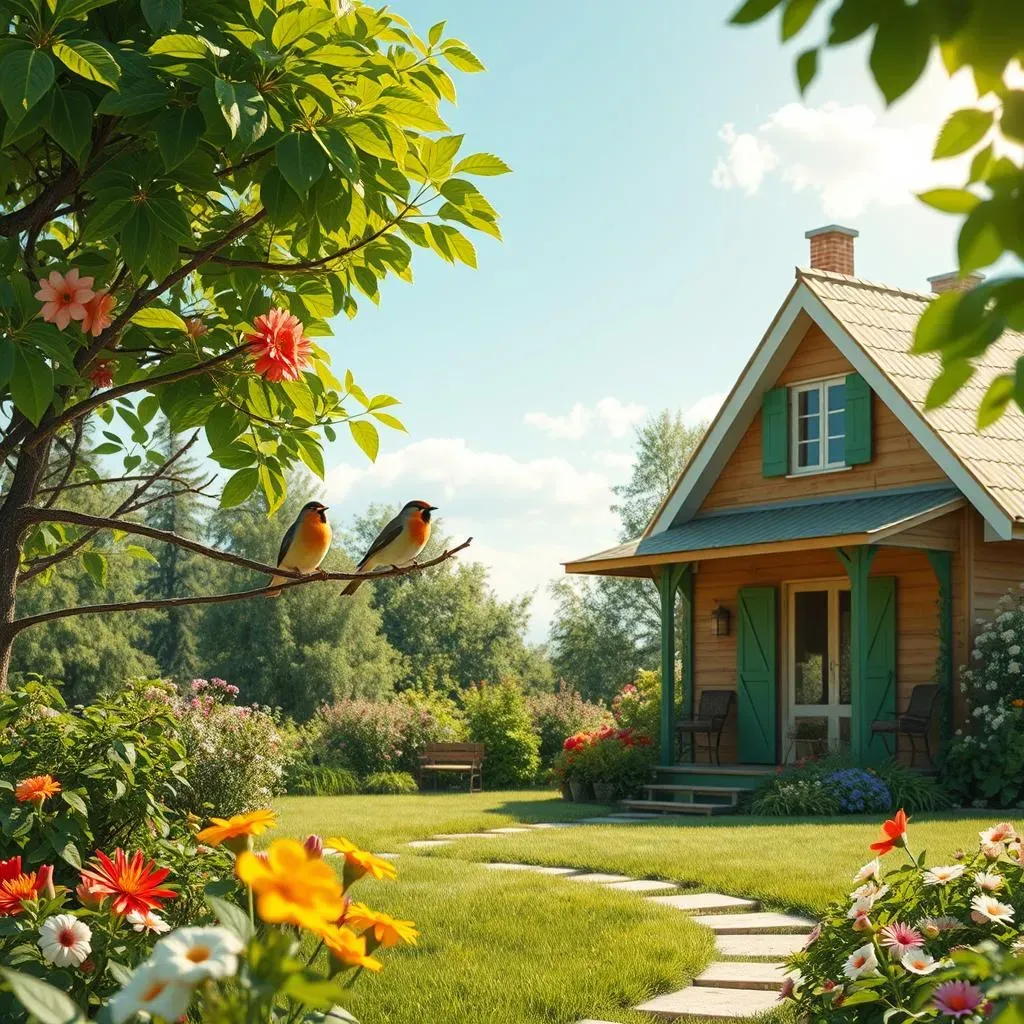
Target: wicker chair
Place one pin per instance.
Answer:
(712, 711)
(915, 722)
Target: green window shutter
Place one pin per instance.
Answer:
(880, 683)
(775, 432)
(858, 420)
(756, 676)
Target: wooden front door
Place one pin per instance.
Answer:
(757, 689)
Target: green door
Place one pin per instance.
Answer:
(756, 676)
(880, 681)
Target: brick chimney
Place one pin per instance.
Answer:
(832, 248)
(953, 282)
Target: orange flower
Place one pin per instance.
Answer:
(387, 931)
(1018, 703)
(280, 348)
(894, 832)
(347, 948)
(254, 823)
(102, 374)
(360, 862)
(64, 297)
(17, 885)
(96, 318)
(36, 790)
(134, 884)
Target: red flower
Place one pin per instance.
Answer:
(134, 884)
(102, 374)
(280, 348)
(17, 885)
(894, 832)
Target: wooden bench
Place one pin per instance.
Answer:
(464, 758)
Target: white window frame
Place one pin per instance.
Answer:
(823, 465)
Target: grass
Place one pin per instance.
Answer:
(517, 948)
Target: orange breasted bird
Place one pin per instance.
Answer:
(399, 543)
(306, 543)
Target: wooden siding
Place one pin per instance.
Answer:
(897, 461)
(996, 568)
(939, 534)
(916, 618)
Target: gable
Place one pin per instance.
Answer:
(898, 460)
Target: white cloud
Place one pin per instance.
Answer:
(746, 162)
(609, 413)
(704, 410)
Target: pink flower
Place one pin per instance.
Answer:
(64, 297)
(280, 348)
(314, 845)
(96, 318)
(957, 998)
(900, 939)
(786, 992)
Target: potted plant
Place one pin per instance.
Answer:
(572, 767)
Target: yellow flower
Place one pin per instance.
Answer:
(240, 826)
(388, 931)
(347, 948)
(359, 862)
(291, 887)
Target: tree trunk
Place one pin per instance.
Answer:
(24, 484)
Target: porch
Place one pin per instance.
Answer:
(834, 611)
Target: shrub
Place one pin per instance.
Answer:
(858, 791)
(236, 754)
(985, 766)
(794, 797)
(305, 779)
(390, 782)
(621, 758)
(498, 716)
(556, 716)
(638, 705)
(881, 954)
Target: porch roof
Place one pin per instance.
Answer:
(853, 518)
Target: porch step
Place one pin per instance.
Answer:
(676, 807)
(727, 795)
(766, 977)
(749, 946)
(711, 778)
(711, 1003)
(756, 923)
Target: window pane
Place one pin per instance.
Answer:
(808, 454)
(836, 423)
(810, 402)
(810, 636)
(836, 451)
(810, 428)
(836, 396)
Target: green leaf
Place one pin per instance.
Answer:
(6, 360)
(342, 153)
(69, 122)
(25, 78)
(232, 917)
(162, 15)
(301, 160)
(483, 164)
(181, 46)
(434, 35)
(238, 488)
(311, 453)
(223, 425)
(135, 237)
(963, 129)
(950, 200)
(953, 377)
(1012, 119)
(979, 243)
(806, 69)
(365, 435)
(178, 132)
(135, 98)
(47, 1004)
(243, 108)
(995, 401)
(74, 801)
(753, 10)
(900, 51)
(31, 383)
(89, 60)
(274, 487)
(279, 198)
(69, 852)
(795, 15)
(293, 25)
(463, 59)
(140, 554)
(390, 421)
(66, 9)
(157, 317)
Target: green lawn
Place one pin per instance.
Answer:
(517, 948)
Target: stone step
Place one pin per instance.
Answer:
(710, 1003)
(675, 787)
(734, 974)
(427, 844)
(759, 945)
(754, 924)
(597, 877)
(705, 902)
(641, 885)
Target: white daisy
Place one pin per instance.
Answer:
(150, 991)
(944, 874)
(919, 962)
(1004, 832)
(987, 908)
(935, 926)
(193, 954)
(861, 962)
(871, 870)
(148, 922)
(64, 940)
(989, 881)
(870, 891)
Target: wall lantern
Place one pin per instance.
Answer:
(720, 620)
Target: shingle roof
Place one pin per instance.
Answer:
(882, 320)
(803, 519)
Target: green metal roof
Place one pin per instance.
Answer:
(798, 520)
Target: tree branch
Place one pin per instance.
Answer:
(239, 595)
(55, 492)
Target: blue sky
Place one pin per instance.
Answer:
(665, 173)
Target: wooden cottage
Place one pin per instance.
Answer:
(830, 545)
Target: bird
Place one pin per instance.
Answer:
(399, 543)
(305, 543)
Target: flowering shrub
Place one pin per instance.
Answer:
(619, 758)
(558, 715)
(884, 954)
(638, 705)
(858, 791)
(236, 754)
(790, 796)
(985, 766)
(497, 715)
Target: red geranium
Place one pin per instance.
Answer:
(134, 884)
(280, 348)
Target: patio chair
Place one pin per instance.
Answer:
(915, 722)
(712, 711)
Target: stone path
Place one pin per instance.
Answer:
(732, 989)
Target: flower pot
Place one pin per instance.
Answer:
(580, 789)
(604, 792)
(566, 790)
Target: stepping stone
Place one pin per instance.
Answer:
(427, 844)
(641, 885)
(751, 924)
(505, 831)
(759, 945)
(597, 877)
(732, 974)
(388, 856)
(555, 824)
(710, 1003)
(537, 869)
(564, 872)
(704, 902)
(464, 835)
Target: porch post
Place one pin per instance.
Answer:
(857, 562)
(668, 583)
(686, 592)
(942, 566)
